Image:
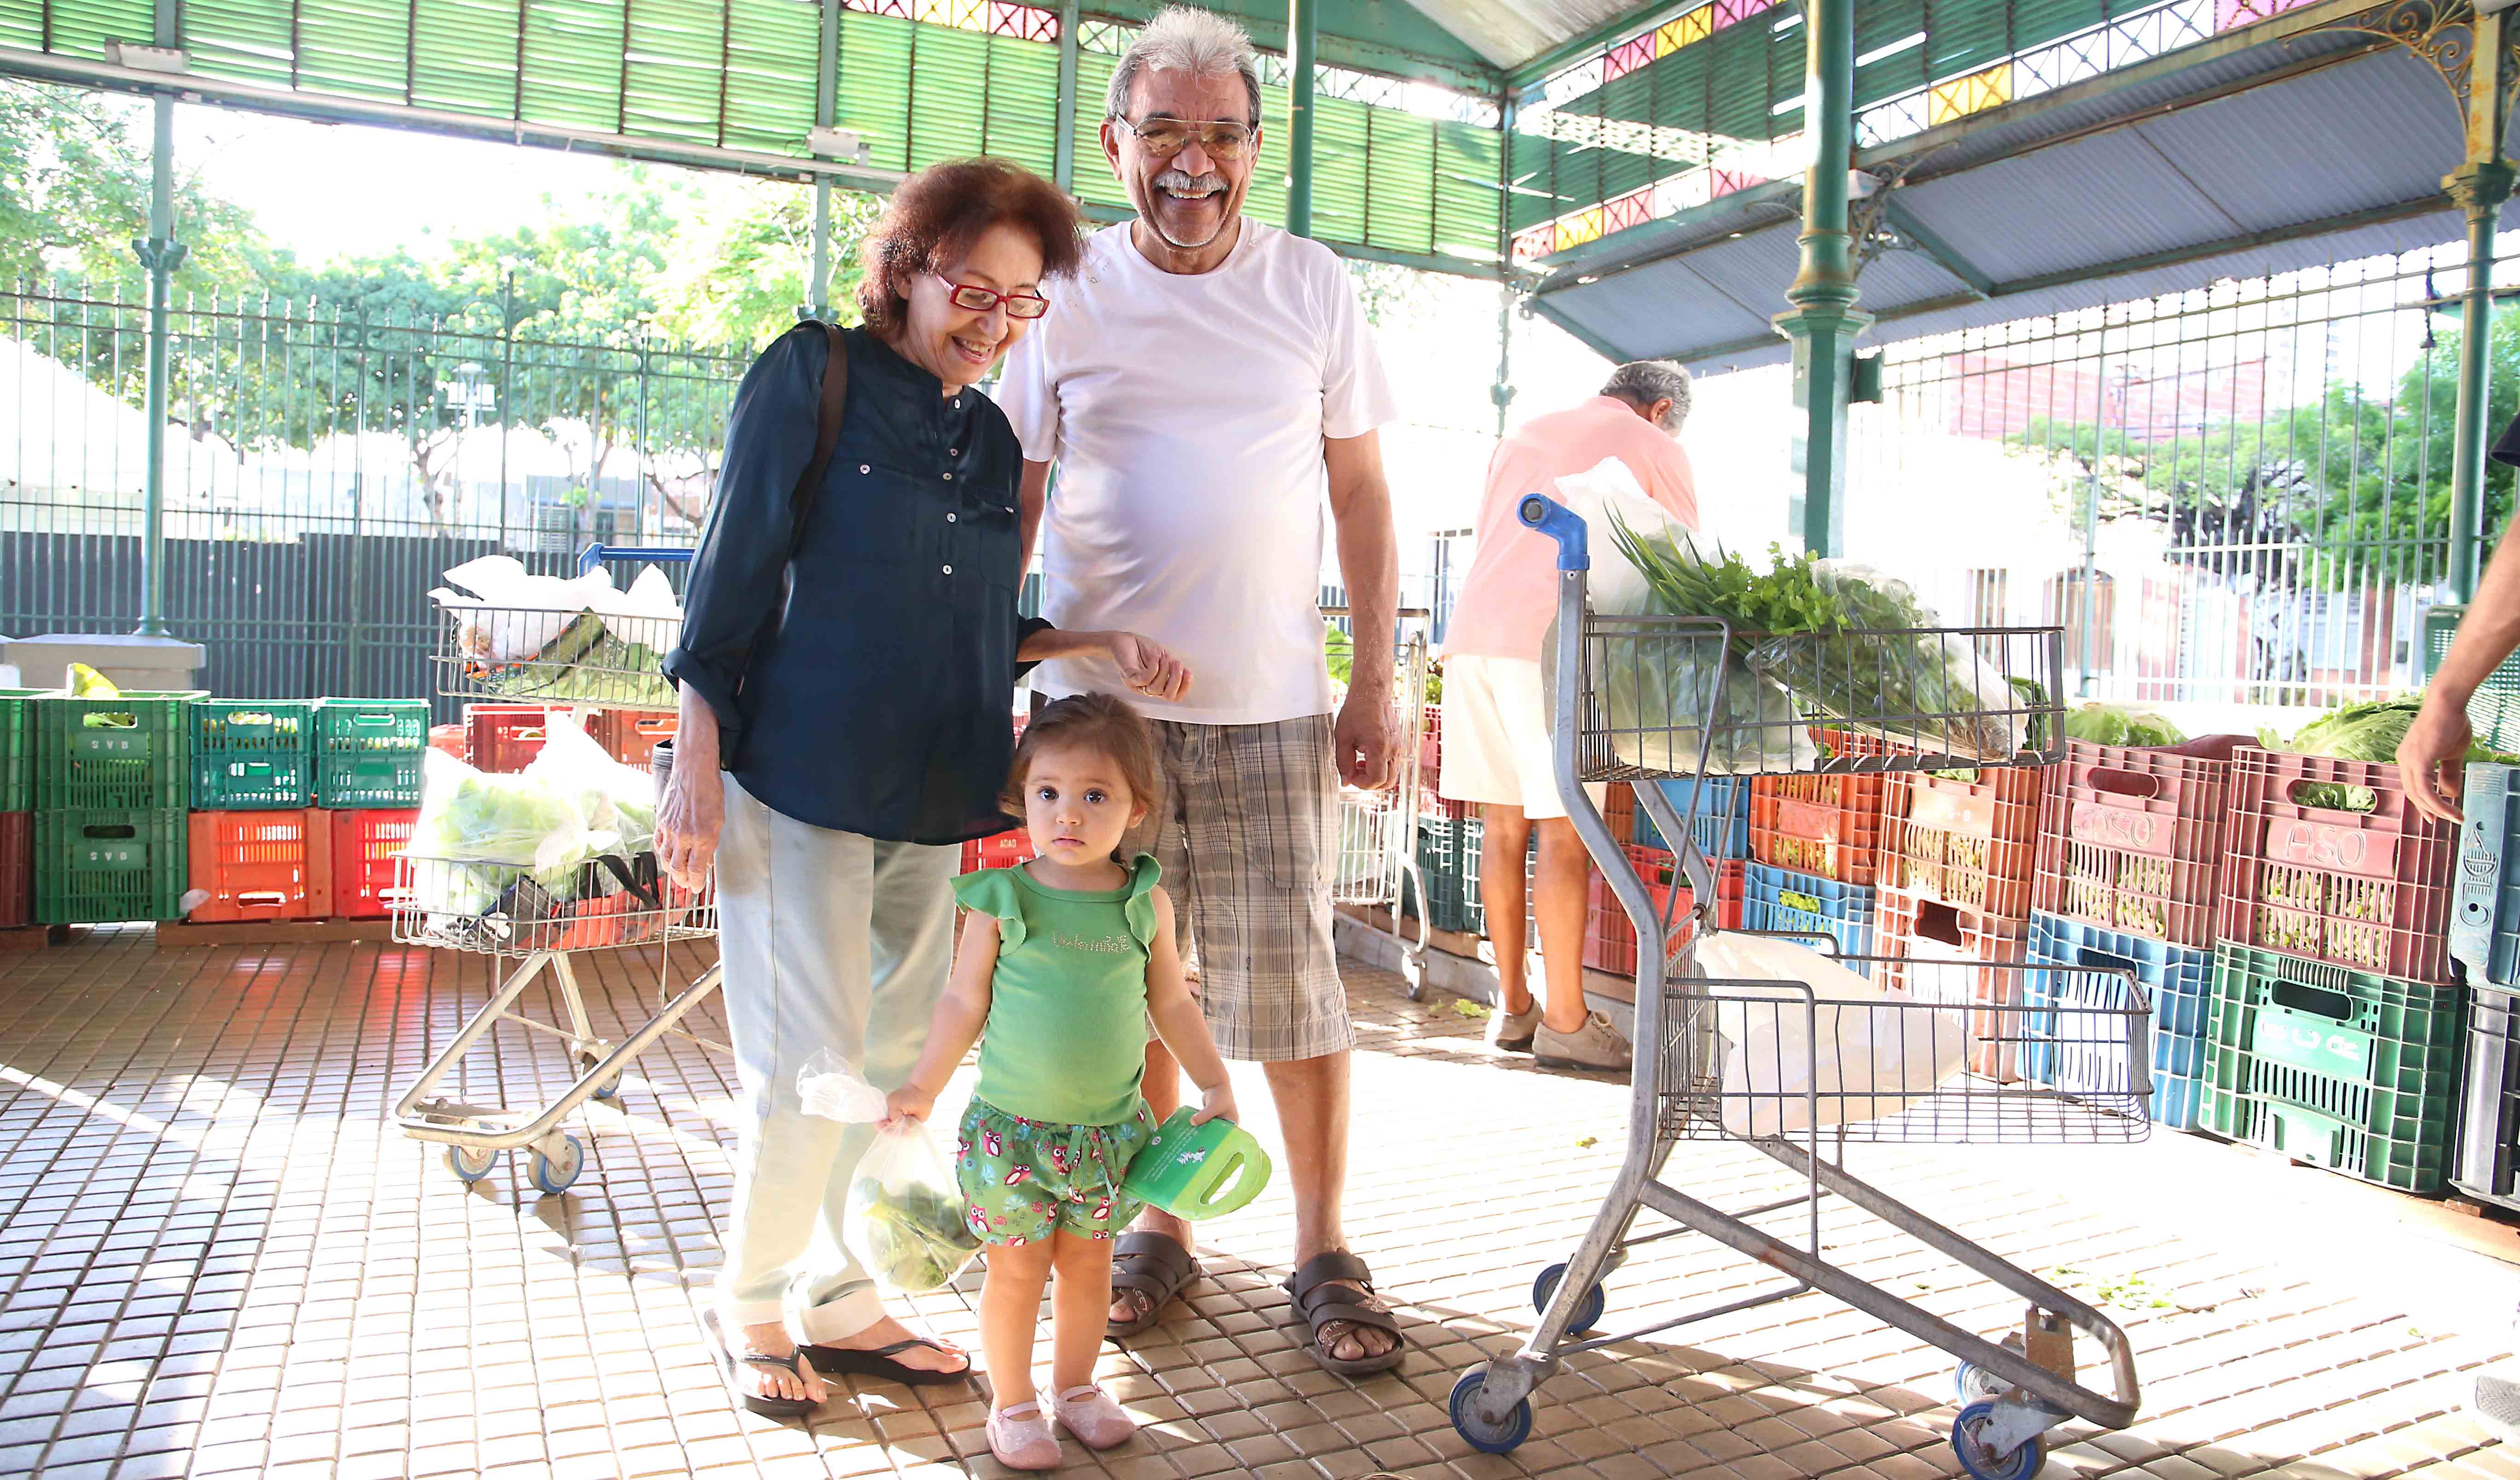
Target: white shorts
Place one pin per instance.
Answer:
(1496, 737)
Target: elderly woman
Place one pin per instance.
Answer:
(846, 670)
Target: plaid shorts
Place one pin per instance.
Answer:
(1246, 834)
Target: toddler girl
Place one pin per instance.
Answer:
(1063, 961)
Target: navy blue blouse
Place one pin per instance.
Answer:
(876, 699)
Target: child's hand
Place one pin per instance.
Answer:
(1216, 1104)
(906, 1106)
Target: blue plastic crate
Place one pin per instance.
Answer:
(2485, 910)
(1778, 899)
(1721, 826)
(2178, 980)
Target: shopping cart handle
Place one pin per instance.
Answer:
(1561, 523)
(594, 554)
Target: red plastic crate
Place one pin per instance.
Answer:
(1430, 750)
(1970, 843)
(1003, 851)
(1831, 825)
(17, 870)
(1619, 810)
(450, 738)
(260, 866)
(2132, 839)
(2365, 889)
(1610, 937)
(505, 737)
(362, 852)
(1937, 953)
(629, 735)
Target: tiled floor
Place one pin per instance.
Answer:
(216, 1259)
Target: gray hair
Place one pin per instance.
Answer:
(1642, 382)
(1182, 38)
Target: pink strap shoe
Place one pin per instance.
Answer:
(1092, 1416)
(1020, 1437)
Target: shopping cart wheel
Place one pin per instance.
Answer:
(551, 1174)
(1983, 1463)
(1487, 1439)
(587, 1059)
(1975, 1383)
(1587, 1316)
(470, 1164)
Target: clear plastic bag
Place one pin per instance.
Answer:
(906, 1220)
(1866, 1053)
(615, 799)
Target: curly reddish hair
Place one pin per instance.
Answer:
(935, 215)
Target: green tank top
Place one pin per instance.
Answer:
(1066, 1035)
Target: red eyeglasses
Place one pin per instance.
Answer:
(978, 300)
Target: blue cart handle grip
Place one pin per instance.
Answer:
(1561, 523)
(596, 554)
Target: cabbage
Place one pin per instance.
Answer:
(2102, 724)
(2371, 731)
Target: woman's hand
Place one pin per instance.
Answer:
(688, 821)
(905, 1107)
(1147, 666)
(1216, 1104)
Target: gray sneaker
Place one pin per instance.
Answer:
(2497, 1401)
(1510, 1032)
(1595, 1045)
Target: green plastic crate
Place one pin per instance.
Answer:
(2336, 1068)
(130, 753)
(2494, 708)
(253, 754)
(18, 747)
(368, 781)
(371, 726)
(104, 867)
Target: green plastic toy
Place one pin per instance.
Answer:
(1197, 1172)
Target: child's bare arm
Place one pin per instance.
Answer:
(1179, 1023)
(959, 1015)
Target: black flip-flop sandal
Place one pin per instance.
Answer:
(1155, 1267)
(755, 1403)
(1318, 1302)
(877, 1362)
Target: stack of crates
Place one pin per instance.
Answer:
(2129, 860)
(2336, 1032)
(2484, 939)
(370, 758)
(17, 807)
(1958, 851)
(112, 786)
(1816, 848)
(1610, 937)
(255, 847)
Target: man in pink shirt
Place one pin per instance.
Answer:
(1495, 740)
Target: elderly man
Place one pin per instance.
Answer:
(1495, 740)
(1199, 382)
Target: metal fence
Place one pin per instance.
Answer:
(2237, 496)
(323, 468)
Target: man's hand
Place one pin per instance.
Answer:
(1147, 666)
(688, 821)
(2432, 760)
(1363, 738)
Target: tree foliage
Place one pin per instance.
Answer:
(2342, 489)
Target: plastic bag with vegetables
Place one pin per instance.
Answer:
(479, 835)
(613, 798)
(905, 1221)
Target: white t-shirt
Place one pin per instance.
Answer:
(1186, 414)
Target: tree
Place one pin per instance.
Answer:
(74, 182)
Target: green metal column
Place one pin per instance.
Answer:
(1302, 38)
(827, 84)
(161, 254)
(2480, 187)
(1063, 163)
(1823, 321)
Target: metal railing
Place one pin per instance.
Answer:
(323, 468)
(2233, 496)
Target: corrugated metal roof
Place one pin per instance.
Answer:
(2267, 158)
(1511, 32)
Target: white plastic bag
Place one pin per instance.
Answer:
(617, 800)
(1868, 1052)
(1605, 491)
(512, 613)
(906, 1222)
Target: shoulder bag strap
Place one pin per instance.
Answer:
(827, 437)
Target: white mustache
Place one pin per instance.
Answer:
(1188, 184)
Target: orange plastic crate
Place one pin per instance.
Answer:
(2369, 889)
(1970, 843)
(260, 865)
(1610, 937)
(363, 849)
(2131, 840)
(505, 737)
(628, 736)
(1937, 953)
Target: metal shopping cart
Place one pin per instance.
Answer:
(1796, 1073)
(1378, 830)
(530, 929)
